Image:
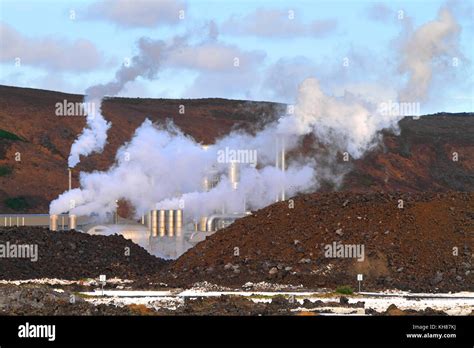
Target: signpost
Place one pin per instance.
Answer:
(360, 277)
(102, 280)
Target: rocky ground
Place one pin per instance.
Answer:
(418, 242)
(74, 255)
(43, 300)
(427, 245)
(33, 299)
(415, 242)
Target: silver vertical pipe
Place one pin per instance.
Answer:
(53, 222)
(283, 167)
(203, 224)
(179, 222)
(161, 223)
(154, 223)
(234, 174)
(170, 228)
(70, 178)
(72, 221)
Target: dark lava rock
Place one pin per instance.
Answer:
(75, 255)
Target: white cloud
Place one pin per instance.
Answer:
(138, 13)
(277, 23)
(214, 56)
(48, 53)
(429, 49)
(282, 79)
(379, 12)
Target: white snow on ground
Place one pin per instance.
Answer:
(48, 281)
(389, 293)
(149, 301)
(264, 286)
(333, 310)
(461, 303)
(451, 306)
(55, 281)
(128, 293)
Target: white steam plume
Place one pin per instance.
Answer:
(145, 64)
(162, 167)
(93, 137)
(432, 41)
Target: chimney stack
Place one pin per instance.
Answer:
(72, 221)
(280, 163)
(53, 222)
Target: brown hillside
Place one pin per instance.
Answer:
(409, 248)
(419, 159)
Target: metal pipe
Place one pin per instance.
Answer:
(280, 163)
(170, 228)
(234, 174)
(202, 224)
(72, 221)
(212, 218)
(161, 222)
(283, 167)
(206, 184)
(154, 223)
(53, 222)
(70, 178)
(179, 222)
(116, 216)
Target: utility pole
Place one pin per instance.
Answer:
(70, 178)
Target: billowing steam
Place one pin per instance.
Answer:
(145, 64)
(93, 138)
(163, 168)
(434, 40)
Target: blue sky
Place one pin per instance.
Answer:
(58, 52)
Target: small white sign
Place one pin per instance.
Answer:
(360, 277)
(102, 278)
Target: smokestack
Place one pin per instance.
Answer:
(280, 163)
(203, 224)
(210, 180)
(206, 186)
(72, 222)
(170, 228)
(70, 178)
(179, 222)
(154, 223)
(116, 216)
(234, 174)
(161, 222)
(53, 222)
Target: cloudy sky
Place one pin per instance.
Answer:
(257, 50)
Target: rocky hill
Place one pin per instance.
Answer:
(35, 144)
